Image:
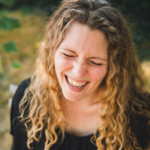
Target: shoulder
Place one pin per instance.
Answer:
(14, 113)
(139, 122)
(21, 88)
(20, 92)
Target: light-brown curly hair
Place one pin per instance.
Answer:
(121, 91)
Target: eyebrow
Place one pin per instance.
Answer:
(89, 57)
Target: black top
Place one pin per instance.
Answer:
(70, 142)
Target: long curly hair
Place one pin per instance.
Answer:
(121, 92)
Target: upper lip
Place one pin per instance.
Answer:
(81, 81)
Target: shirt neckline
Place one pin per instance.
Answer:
(68, 135)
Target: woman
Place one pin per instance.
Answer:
(87, 92)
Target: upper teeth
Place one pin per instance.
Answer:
(75, 83)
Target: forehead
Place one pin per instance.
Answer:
(81, 38)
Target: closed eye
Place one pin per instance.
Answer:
(96, 63)
(90, 61)
(67, 55)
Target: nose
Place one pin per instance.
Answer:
(79, 69)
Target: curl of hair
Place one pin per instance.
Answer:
(120, 92)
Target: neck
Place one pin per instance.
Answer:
(81, 107)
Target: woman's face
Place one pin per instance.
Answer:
(81, 62)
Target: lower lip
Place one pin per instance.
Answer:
(75, 89)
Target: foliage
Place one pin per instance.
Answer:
(1, 68)
(44, 5)
(137, 13)
(10, 47)
(7, 23)
(15, 64)
(9, 3)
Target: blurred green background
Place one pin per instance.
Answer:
(24, 22)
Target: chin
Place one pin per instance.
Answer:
(71, 98)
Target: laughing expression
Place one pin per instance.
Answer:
(81, 62)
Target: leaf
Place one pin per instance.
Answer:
(10, 47)
(1, 67)
(16, 64)
(2, 77)
(8, 23)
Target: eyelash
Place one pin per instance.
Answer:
(68, 55)
(90, 61)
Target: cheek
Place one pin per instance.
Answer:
(61, 64)
(98, 74)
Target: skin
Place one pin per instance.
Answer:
(82, 108)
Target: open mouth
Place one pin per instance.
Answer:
(74, 86)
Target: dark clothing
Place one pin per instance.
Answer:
(70, 142)
(20, 138)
